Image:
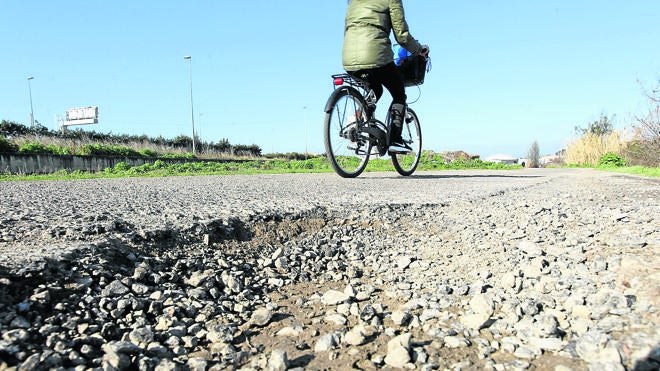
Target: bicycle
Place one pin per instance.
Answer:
(352, 134)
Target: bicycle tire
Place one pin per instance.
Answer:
(406, 163)
(346, 148)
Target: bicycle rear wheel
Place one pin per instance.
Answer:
(406, 163)
(346, 147)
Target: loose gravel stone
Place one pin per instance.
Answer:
(115, 288)
(456, 342)
(356, 336)
(278, 360)
(334, 297)
(261, 317)
(326, 342)
(398, 351)
(291, 331)
(400, 317)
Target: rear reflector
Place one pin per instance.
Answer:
(339, 81)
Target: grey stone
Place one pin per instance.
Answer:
(461, 290)
(400, 317)
(232, 284)
(334, 297)
(16, 335)
(403, 262)
(115, 288)
(590, 345)
(290, 331)
(278, 360)
(31, 363)
(142, 335)
(221, 333)
(398, 351)
(261, 317)
(19, 322)
(456, 342)
(197, 364)
(124, 347)
(474, 321)
(166, 365)
(356, 336)
(197, 278)
(336, 319)
(429, 314)
(524, 353)
(482, 304)
(529, 307)
(326, 342)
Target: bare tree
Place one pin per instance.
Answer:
(645, 148)
(533, 155)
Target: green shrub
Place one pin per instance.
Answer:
(33, 147)
(179, 155)
(7, 146)
(58, 150)
(106, 150)
(121, 166)
(36, 147)
(146, 152)
(612, 160)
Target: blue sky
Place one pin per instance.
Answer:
(505, 73)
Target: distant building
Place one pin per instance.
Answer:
(502, 159)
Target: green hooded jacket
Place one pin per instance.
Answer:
(367, 33)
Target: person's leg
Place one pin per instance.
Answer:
(370, 76)
(393, 80)
(391, 77)
(375, 84)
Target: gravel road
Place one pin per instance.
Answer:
(544, 269)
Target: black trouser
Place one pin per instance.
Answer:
(389, 76)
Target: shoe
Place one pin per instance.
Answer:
(399, 147)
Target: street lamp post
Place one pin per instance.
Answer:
(31, 109)
(305, 110)
(192, 113)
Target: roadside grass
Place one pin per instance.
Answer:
(653, 172)
(319, 164)
(265, 166)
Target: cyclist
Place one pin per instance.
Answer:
(367, 54)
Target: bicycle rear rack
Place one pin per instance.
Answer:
(346, 79)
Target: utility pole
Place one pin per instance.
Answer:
(192, 113)
(31, 109)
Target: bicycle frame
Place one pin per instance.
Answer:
(377, 130)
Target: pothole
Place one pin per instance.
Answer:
(171, 285)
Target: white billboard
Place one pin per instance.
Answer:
(81, 116)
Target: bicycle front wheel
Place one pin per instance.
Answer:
(346, 147)
(406, 163)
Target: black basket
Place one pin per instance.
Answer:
(413, 70)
